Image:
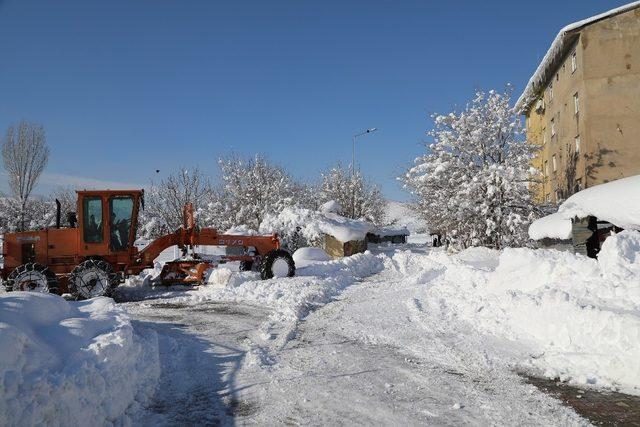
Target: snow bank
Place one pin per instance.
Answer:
(617, 202)
(579, 318)
(71, 363)
(309, 255)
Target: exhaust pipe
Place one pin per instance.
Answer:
(57, 213)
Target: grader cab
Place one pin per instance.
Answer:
(95, 251)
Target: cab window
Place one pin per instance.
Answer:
(120, 213)
(92, 219)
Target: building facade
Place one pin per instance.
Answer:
(582, 105)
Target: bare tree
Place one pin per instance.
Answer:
(165, 200)
(25, 155)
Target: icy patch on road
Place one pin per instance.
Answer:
(579, 318)
(71, 363)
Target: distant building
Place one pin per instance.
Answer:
(582, 105)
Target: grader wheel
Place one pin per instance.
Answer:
(277, 263)
(32, 277)
(92, 278)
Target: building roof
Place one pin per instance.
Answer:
(558, 51)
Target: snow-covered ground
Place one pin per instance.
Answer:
(403, 334)
(72, 363)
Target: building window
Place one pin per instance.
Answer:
(544, 136)
(558, 195)
(574, 63)
(578, 186)
(557, 76)
(576, 103)
(555, 164)
(550, 91)
(546, 168)
(553, 127)
(548, 198)
(577, 139)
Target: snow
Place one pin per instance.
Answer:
(554, 226)
(399, 214)
(309, 255)
(331, 207)
(312, 225)
(617, 202)
(578, 318)
(241, 230)
(557, 50)
(64, 363)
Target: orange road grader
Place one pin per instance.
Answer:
(95, 252)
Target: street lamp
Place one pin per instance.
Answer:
(353, 168)
(353, 150)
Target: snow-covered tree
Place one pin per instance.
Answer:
(35, 214)
(250, 189)
(473, 182)
(164, 202)
(358, 197)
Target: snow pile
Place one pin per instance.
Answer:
(578, 318)
(617, 202)
(66, 363)
(305, 256)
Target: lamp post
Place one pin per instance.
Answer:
(353, 149)
(353, 167)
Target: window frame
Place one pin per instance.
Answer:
(576, 103)
(554, 163)
(574, 62)
(577, 141)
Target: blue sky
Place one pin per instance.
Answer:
(127, 87)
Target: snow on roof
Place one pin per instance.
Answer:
(557, 52)
(554, 226)
(617, 202)
(344, 229)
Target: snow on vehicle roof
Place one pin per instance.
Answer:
(617, 202)
(557, 52)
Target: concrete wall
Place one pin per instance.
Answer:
(612, 82)
(607, 82)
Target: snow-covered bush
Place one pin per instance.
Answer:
(250, 190)
(37, 214)
(473, 183)
(297, 227)
(358, 198)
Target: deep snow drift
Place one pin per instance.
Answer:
(71, 363)
(579, 318)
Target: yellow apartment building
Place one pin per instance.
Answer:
(582, 105)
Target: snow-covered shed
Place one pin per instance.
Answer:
(588, 217)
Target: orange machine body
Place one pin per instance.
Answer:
(106, 229)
